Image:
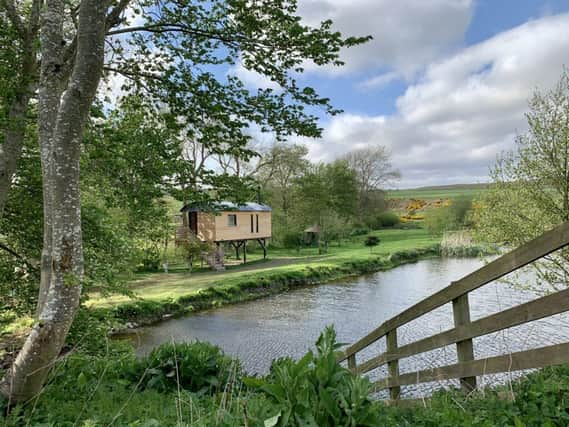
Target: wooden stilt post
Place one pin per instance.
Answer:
(244, 251)
(263, 244)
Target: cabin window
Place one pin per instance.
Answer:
(257, 223)
(232, 220)
(252, 230)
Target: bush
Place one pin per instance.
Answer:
(388, 219)
(292, 240)
(197, 367)
(371, 241)
(150, 260)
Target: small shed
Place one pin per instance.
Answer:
(312, 234)
(229, 222)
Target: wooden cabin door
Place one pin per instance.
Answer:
(194, 222)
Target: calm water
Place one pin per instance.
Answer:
(288, 324)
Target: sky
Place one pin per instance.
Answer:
(444, 84)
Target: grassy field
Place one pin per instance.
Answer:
(441, 192)
(162, 286)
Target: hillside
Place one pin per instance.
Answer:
(439, 192)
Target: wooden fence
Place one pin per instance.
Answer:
(465, 330)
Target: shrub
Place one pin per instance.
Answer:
(150, 260)
(388, 219)
(292, 240)
(197, 367)
(371, 241)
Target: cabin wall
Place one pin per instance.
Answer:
(223, 231)
(206, 227)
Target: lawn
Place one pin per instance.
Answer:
(162, 286)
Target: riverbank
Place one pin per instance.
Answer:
(250, 287)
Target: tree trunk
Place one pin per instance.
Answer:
(60, 164)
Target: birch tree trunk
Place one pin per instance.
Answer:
(62, 117)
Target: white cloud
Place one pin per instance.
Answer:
(407, 33)
(380, 81)
(464, 110)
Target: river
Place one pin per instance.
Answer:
(288, 324)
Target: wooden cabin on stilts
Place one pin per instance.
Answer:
(226, 223)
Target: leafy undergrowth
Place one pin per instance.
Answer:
(197, 385)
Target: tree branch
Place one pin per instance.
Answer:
(33, 265)
(169, 28)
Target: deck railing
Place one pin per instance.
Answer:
(465, 330)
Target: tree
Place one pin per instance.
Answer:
(374, 170)
(168, 59)
(284, 165)
(530, 186)
(325, 197)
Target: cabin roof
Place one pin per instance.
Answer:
(226, 206)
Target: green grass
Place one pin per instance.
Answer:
(162, 287)
(442, 192)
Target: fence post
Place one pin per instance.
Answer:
(352, 362)
(464, 349)
(393, 366)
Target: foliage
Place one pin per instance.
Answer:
(449, 218)
(316, 390)
(371, 241)
(530, 191)
(324, 198)
(292, 239)
(192, 249)
(383, 219)
(198, 367)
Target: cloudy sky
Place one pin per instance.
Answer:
(444, 83)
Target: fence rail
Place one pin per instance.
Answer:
(465, 330)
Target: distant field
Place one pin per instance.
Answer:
(442, 192)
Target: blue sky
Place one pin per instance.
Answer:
(444, 84)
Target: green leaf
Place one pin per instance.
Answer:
(81, 379)
(272, 422)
